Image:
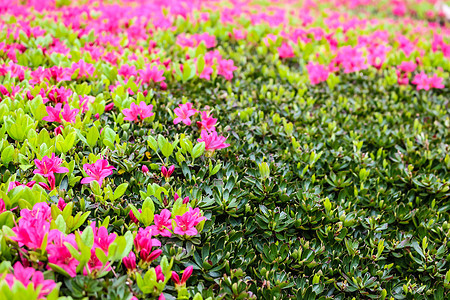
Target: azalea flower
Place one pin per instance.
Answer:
(421, 81)
(166, 173)
(151, 74)
(285, 51)
(186, 274)
(135, 112)
(163, 224)
(226, 68)
(186, 223)
(14, 184)
(207, 123)
(58, 253)
(212, 140)
(49, 165)
(97, 171)
(53, 113)
(69, 115)
(436, 82)
(144, 244)
(28, 276)
(317, 73)
(407, 66)
(130, 261)
(184, 112)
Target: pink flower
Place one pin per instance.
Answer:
(58, 130)
(2, 206)
(53, 113)
(61, 204)
(212, 140)
(14, 184)
(97, 171)
(69, 115)
(127, 71)
(49, 165)
(85, 69)
(184, 112)
(148, 255)
(151, 74)
(28, 276)
(145, 169)
(407, 66)
(135, 112)
(167, 173)
(130, 261)
(144, 243)
(186, 274)
(58, 253)
(159, 277)
(33, 226)
(95, 266)
(163, 224)
(436, 82)
(317, 73)
(51, 183)
(196, 213)
(421, 81)
(58, 95)
(402, 78)
(226, 68)
(133, 217)
(144, 240)
(285, 51)
(238, 34)
(208, 123)
(187, 222)
(102, 239)
(399, 8)
(185, 200)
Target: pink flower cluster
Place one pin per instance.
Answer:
(97, 171)
(207, 127)
(27, 276)
(33, 229)
(138, 113)
(423, 82)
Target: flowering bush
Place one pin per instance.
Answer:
(224, 149)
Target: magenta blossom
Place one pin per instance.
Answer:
(135, 112)
(49, 165)
(317, 73)
(163, 224)
(436, 82)
(421, 81)
(130, 261)
(285, 51)
(186, 274)
(97, 171)
(166, 173)
(151, 74)
(407, 66)
(186, 223)
(58, 253)
(208, 122)
(28, 276)
(184, 112)
(212, 140)
(145, 169)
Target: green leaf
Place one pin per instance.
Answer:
(7, 154)
(92, 136)
(198, 150)
(120, 190)
(88, 236)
